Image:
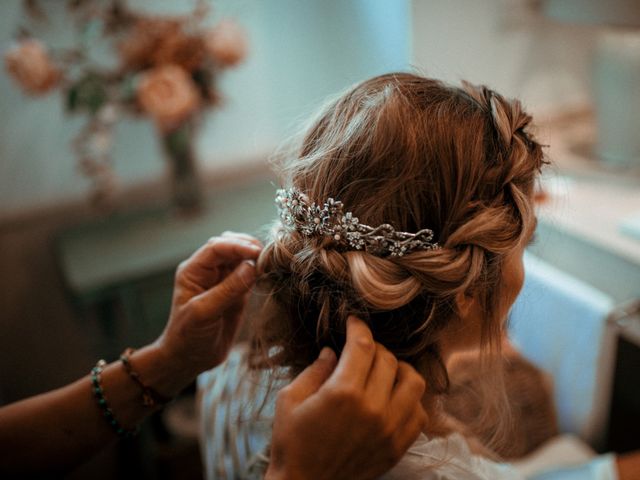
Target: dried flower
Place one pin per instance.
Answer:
(168, 69)
(188, 51)
(29, 64)
(226, 43)
(169, 95)
(138, 48)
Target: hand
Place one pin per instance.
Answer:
(350, 421)
(210, 294)
(628, 465)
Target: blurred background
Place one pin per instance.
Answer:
(88, 258)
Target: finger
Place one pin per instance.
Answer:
(407, 393)
(243, 236)
(382, 377)
(227, 293)
(234, 315)
(235, 307)
(407, 432)
(313, 377)
(224, 250)
(221, 273)
(357, 356)
(220, 251)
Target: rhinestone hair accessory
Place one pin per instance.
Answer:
(330, 220)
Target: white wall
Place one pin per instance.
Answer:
(502, 44)
(301, 51)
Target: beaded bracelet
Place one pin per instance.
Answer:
(98, 393)
(150, 398)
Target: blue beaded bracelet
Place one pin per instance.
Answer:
(98, 393)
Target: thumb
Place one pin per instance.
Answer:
(231, 291)
(314, 376)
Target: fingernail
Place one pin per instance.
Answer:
(248, 270)
(327, 354)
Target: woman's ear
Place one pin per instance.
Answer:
(464, 303)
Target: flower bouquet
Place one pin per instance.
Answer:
(165, 68)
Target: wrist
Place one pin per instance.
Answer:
(161, 371)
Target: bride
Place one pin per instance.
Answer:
(407, 203)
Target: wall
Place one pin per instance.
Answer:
(300, 53)
(507, 45)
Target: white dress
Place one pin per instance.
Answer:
(448, 458)
(233, 443)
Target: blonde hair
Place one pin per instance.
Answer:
(415, 153)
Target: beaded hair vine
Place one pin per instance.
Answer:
(330, 220)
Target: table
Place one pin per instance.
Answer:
(119, 270)
(581, 228)
(588, 228)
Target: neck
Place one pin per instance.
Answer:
(439, 423)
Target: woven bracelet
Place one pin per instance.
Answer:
(98, 393)
(150, 398)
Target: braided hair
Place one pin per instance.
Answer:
(415, 153)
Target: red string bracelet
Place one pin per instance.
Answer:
(150, 398)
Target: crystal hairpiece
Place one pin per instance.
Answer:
(330, 220)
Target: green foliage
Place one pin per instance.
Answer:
(178, 141)
(89, 94)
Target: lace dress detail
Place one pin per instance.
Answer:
(447, 458)
(234, 438)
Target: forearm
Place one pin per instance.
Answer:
(59, 430)
(52, 432)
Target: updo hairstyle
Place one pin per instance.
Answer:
(415, 153)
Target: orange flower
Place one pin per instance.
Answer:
(138, 48)
(186, 51)
(169, 95)
(227, 43)
(29, 64)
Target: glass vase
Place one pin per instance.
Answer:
(186, 187)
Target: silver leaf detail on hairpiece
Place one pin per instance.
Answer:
(330, 220)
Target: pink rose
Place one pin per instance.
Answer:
(29, 64)
(168, 94)
(145, 37)
(184, 50)
(227, 43)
